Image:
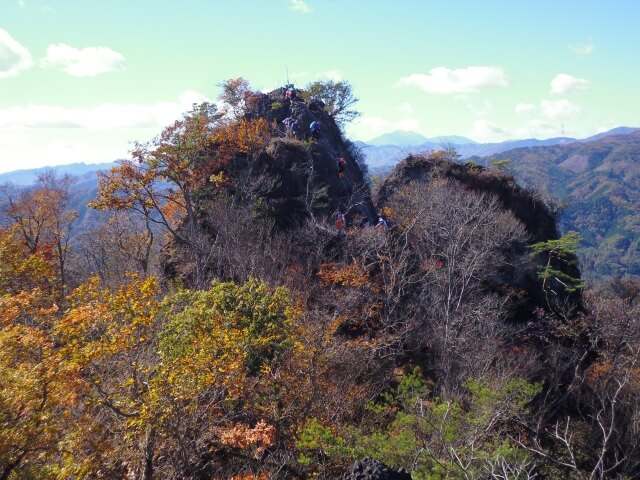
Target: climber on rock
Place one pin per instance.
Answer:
(288, 123)
(315, 129)
(296, 129)
(342, 165)
(290, 94)
(340, 220)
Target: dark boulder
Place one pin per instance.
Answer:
(370, 469)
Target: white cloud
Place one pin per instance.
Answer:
(22, 3)
(582, 50)
(335, 75)
(481, 110)
(537, 128)
(485, 130)
(37, 135)
(524, 107)
(13, 137)
(558, 108)
(107, 116)
(300, 6)
(13, 56)
(443, 80)
(83, 62)
(563, 83)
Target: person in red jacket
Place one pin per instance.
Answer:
(342, 165)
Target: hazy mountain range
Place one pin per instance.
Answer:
(29, 176)
(388, 149)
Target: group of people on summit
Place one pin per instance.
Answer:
(293, 126)
(295, 129)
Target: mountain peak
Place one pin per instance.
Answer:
(398, 137)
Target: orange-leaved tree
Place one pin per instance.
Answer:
(37, 385)
(164, 179)
(167, 181)
(43, 216)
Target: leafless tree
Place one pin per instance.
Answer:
(125, 242)
(45, 217)
(606, 422)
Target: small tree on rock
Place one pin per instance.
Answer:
(338, 98)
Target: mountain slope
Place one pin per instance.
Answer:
(599, 182)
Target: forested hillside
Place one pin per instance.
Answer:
(598, 185)
(252, 310)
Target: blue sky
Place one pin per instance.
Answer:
(81, 80)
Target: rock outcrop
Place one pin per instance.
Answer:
(370, 469)
(520, 278)
(305, 169)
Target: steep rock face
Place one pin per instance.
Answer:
(520, 278)
(310, 171)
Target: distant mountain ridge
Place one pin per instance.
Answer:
(408, 138)
(29, 176)
(384, 154)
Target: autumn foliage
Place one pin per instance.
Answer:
(203, 340)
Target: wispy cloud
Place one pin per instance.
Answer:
(367, 127)
(22, 3)
(107, 116)
(83, 62)
(406, 108)
(582, 50)
(300, 6)
(306, 76)
(525, 107)
(13, 56)
(444, 81)
(558, 108)
(537, 128)
(551, 109)
(564, 83)
(481, 109)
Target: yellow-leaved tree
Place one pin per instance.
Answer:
(37, 385)
(109, 336)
